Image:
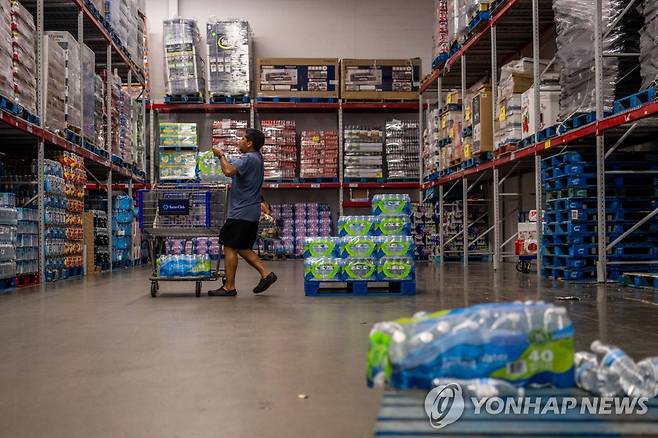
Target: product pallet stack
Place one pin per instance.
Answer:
(55, 204)
(453, 225)
(227, 133)
(368, 249)
(516, 78)
(75, 178)
(431, 156)
(229, 58)
(280, 149)
(122, 223)
(6, 52)
(100, 116)
(184, 61)
(295, 222)
(88, 94)
(24, 57)
(178, 151)
(402, 150)
(569, 246)
(124, 148)
(450, 125)
(424, 220)
(72, 75)
(319, 155)
(55, 85)
(8, 222)
(363, 153)
(97, 237)
(27, 245)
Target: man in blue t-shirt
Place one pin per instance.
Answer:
(241, 228)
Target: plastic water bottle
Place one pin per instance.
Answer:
(593, 379)
(649, 370)
(618, 363)
(483, 387)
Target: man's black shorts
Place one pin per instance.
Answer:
(238, 234)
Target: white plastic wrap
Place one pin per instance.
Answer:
(363, 152)
(55, 86)
(649, 44)
(430, 140)
(72, 74)
(100, 119)
(183, 56)
(230, 59)
(88, 93)
(25, 65)
(6, 51)
(402, 149)
(440, 41)
(575, 53)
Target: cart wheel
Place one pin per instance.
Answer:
(198, 289)
(154, 289)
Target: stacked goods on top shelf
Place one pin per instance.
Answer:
(25, 62)
(100, 116)
(450, 131)
(280, 149)
(402, 150)
(184, 61)
(424, 218)
(482, 124)
(123, 149)
(8, 222)
(440, 43)
(55, 85)
(229, 57)
(137, 133)
(297, 77)
(122, 219)
(73, 92)
(27, 241)
(363, 152)
(431, 143)
(456, 21)
(368, 248)
(649, 45)
(575, 54)
(515, 79)
(569, 242)
(368, 79)
(178, 151)
(55, 203)
(75, 178)
(319, 154)
(6, 52)
(115, 97)
(227, 133)
(89, 94)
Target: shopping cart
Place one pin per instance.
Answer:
(182, 211)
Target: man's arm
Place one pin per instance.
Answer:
(228, 169)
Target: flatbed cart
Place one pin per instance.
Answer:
(182, 211)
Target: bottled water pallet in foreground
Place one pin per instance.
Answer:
(360, 288)
(402, 414)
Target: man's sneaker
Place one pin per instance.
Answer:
(265, 283)
(221, 292)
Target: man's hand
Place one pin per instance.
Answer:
(218, 152)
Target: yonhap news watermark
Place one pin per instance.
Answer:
(446, 404)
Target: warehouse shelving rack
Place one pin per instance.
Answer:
(500, 38)
(334, 108)
(68, 15)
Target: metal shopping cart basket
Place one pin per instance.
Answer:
(186, 212)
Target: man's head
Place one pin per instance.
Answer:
(253, 140)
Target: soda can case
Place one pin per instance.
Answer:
(360, 269)
(391, 204)
(323, 269)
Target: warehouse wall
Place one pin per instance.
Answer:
(308, 28)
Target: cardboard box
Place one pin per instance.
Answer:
(549, 109)
(374, 79)
(88, 231)
(482, 122)
(297, 77)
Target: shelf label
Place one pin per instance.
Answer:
(315, 186)
(29, 128)
(512, 156)
(274, 186)
(354, 186)
(547, 144)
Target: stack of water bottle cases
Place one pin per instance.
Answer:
(122, 219)
(55, 203)
(188, 257)
(368, 248)
(569, 247)
(8, 222)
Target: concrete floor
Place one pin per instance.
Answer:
(100, 358)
